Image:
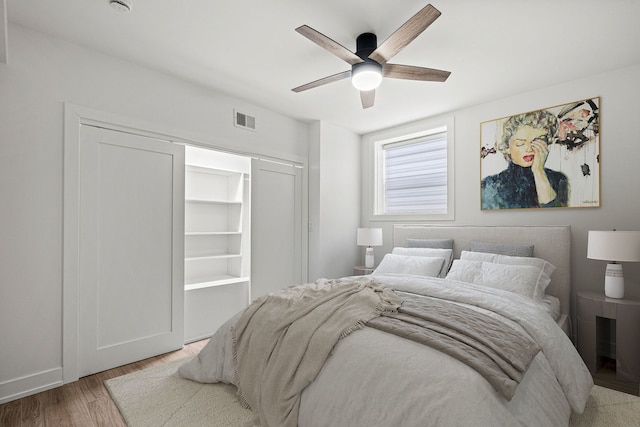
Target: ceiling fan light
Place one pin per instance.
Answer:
(366, 75)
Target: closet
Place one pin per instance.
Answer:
(160, 243)
(216, 241)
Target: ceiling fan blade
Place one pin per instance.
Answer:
(367, 97)
(405, 34)
(326, 43)
(409, 72)
(323, 81)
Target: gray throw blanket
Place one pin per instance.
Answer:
(497, 351)
(282, 340)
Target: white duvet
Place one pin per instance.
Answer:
(414, 385)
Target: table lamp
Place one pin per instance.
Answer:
(369, 237)
(614, 246)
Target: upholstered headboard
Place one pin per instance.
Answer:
(552, 243)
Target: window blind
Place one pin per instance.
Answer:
(415, 178)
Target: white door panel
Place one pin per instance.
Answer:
(131, 248)
(276, 227)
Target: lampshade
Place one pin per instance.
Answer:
(614, 246)
(366, 75)
(622, 246)
(369, 237)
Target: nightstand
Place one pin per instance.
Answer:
(609, 340)
(361, 270)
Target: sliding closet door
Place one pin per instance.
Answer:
(131, 248)
(276, 227)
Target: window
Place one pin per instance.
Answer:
(413, 173)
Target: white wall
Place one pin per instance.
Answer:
(334, 209)
(41, 75)
(619, 92)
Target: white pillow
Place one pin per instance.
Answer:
(521, 279)
(447, 254)
(416, 265)
(466, 271)
(542, 264)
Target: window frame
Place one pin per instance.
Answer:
(373, 164)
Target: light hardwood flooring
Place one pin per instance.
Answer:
(85, 402)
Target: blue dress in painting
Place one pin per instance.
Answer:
(515, 187)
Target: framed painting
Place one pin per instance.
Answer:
(542, 159)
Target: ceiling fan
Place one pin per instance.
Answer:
(369, 62)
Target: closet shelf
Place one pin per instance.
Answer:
(212, 233)
(214, 202)
(222, 256)
(217, 281)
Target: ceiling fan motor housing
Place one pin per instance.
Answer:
(366, 43)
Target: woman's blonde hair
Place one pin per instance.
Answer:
(541, 119)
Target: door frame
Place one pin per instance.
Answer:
(74, 117)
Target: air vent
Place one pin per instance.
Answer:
(244, 121)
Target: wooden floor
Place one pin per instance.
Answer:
(85, 402)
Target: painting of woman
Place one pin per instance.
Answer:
(525, 141)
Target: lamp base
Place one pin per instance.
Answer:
(368, 257)
(614, 281)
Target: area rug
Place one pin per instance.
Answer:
(156, 396)
(608, 408)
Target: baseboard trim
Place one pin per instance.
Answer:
(189, 340)
(30, 384)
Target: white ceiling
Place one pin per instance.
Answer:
(493, 48)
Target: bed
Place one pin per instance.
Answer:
(372, 372)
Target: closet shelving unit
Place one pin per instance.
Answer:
(216, 239)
